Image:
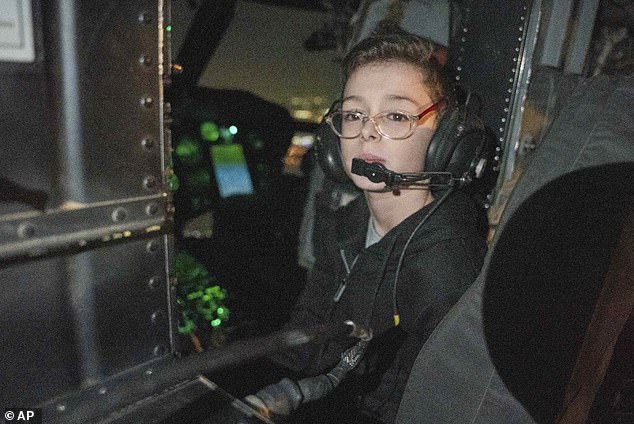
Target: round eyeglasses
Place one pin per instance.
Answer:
(395, 125)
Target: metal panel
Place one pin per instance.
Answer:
(491, 60)
(37, 234)
(581, 36)
(520, 93)
(85, 128)
(26, 148)
(38, 341)
(85, 125)
(108, 79)
(70, 321)
(555, 32)
(84, 209)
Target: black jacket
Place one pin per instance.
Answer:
(441, 261)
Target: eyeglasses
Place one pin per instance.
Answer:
(395, 125)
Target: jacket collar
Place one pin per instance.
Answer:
(351, 228)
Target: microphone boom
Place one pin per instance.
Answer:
(378, 173)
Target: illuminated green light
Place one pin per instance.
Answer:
(194, 295)
(223, 313)
(173, 183)
(209, 131)
(168, 28)
(233, 130)
(226, 135)
(188, 151)
(198, 301)
(187, 328)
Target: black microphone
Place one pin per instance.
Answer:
(375, 172)
(378, 173)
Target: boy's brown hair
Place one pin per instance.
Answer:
(399, 47)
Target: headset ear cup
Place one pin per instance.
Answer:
(439, 146)
(461, 145)
(328, 155)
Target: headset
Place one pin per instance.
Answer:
(461, 146)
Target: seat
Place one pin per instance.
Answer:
(506, 351)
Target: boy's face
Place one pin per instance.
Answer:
(383, 87)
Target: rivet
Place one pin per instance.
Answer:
(147, 142)
(147, 101)
(152, 246)
(154, 282)
(145, 18)
(119, 214)
(149, 182)
(159, 350)
(60, 407)
(26, 230)
(146, 60)
(156, 317)
(152, 208)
